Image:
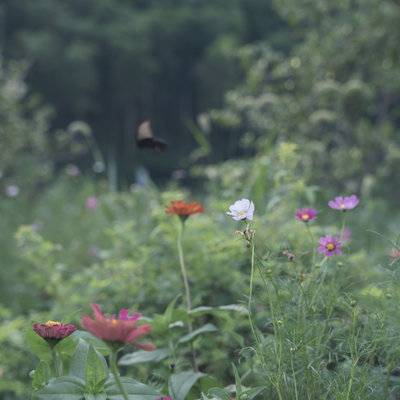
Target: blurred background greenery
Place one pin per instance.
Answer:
(288, 102)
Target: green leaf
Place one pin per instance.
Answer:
(98, 344)
(234, 307)
(96, 371)
(219, 393)
(38, 346)
(41, 375)
(180, 384)
(238, 381)
(204, 329)
(64, 388)
(142, 356)
(253, 392)
(134, 389)
(99, 396)
(77, 366)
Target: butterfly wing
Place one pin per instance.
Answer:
(145, 138)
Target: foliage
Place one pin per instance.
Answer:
(336, 94)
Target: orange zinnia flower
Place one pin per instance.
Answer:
(183, 209)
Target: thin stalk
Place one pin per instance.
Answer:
(183, 269)
(343, 226)
(58, 367)
(323, 275)
(251, 276)
(187, 289)
(353, 351)
(114, 370)
(313, 244)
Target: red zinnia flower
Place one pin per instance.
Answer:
(123, 329)
(183, 209)
(53, 330)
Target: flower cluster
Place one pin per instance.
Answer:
(243, 210)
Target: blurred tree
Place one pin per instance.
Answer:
(336, 94)
(114, 63)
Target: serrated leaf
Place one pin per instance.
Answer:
(134, 389)
(204, 329)
(142, 356)
(181, 384)
(63, 388)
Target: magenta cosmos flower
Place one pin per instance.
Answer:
(344, 203)
(91, 203)
(306, 214)
(123, 329)
(329, 246)
(54, 330)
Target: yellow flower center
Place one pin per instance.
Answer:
(330, 246)
(242, 214)
(52, 323)
(114, 321)
(342, 205)
(305, 217)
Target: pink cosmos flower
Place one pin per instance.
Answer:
(344, 203)
(91, 203)
(306, 214)
(329, 246)
(54, 330)
(395, 255)
(123, 329)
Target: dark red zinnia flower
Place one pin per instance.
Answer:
(123, 329)
(54, 330)
(183, 209)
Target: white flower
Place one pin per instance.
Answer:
(12, 190)
(242, 210)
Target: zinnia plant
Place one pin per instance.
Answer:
(53, 331)
(184, 210)
(117, 332)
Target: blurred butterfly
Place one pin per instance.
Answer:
(145, 138)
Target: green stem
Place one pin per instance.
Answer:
(343, 226)
(251, 276)
(323, 275)
(58, 367)
(187, 289)
(313, 244)
(114, 370)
